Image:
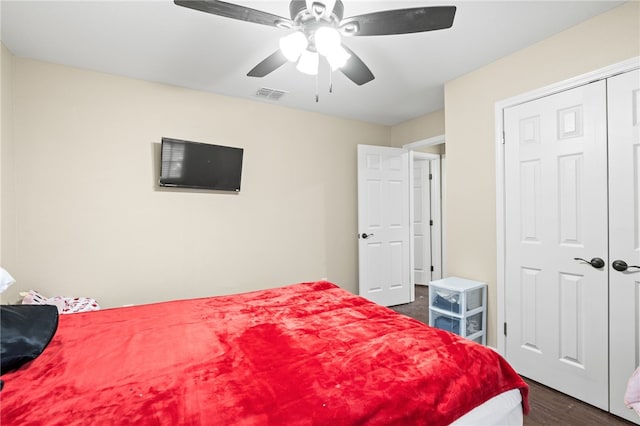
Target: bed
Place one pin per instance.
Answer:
(303, 354)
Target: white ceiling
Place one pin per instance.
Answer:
(156, 40)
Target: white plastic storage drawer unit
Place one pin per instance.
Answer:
(459, 305)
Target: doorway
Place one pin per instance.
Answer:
(426, 208)
(428, 253)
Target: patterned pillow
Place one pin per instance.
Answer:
(65, 305)
(632, 396)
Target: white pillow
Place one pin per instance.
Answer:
(5, 280)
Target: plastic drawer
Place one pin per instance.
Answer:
(445, 322)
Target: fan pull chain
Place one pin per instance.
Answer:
(317, 97)
(330, 80)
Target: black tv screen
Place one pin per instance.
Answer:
(199, 165)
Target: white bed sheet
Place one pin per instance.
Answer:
(504, 410)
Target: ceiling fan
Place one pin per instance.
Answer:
(318, 26)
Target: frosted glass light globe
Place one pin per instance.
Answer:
(293, 45)
(338, 58)
(327, 40)
(308, 62)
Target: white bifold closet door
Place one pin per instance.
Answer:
(556, 211)
(623, 92)
(571, 210)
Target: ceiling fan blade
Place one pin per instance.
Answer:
(269, 64)
(401, 21)
(235, 11)
(355, 69)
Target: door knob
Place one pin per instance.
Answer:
(365, 235)
(596, 262)
(621, 265)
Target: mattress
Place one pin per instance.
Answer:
(504, 409)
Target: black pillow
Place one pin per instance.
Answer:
(26, 332)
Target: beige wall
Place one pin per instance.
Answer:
(91, 220)
(419, 128)
(469, 105)
(7, 180)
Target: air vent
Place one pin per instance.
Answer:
(271, 94)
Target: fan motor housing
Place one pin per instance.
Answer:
(299, 13)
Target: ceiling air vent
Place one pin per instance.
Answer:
(271, 94)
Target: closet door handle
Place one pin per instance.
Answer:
(596, 262)
(621, 265)
(365, 235)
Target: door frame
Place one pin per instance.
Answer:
(413, 148)
(435, 204)
(600, 74)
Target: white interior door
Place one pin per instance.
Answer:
(427, 218)
(624, 235)
(556, 211)
(383, 225)
(422, 221)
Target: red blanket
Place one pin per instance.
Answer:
(298, 355)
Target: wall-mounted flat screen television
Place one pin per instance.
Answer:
(189, 164)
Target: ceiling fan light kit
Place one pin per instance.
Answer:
(325, 41)
(318, 26)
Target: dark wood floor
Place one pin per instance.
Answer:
(548, 407)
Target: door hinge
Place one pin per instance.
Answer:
(430, 176)
(505, 328)
(503, 137)
(432, 268)
(431, 223)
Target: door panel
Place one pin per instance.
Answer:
(556, 211)
(383, 215)
(421, 217)
(624, 230)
